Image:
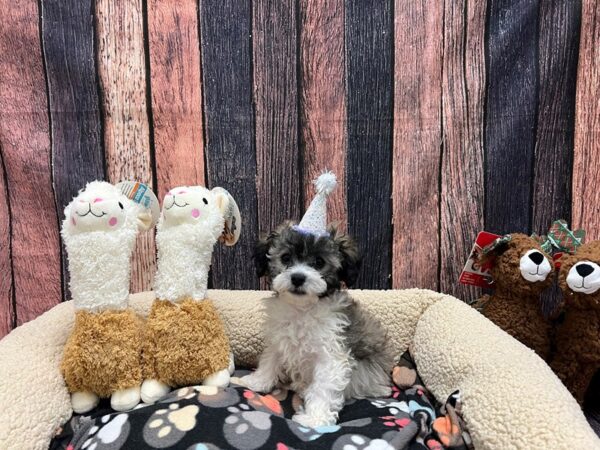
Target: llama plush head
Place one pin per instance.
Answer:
(99, 231)
(193, 219)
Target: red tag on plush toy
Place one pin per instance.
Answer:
(473, 273)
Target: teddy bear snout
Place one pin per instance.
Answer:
(536, 257)
(535, 266)
(584, 277)
(584, 269)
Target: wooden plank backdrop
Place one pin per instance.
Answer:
(440, 118)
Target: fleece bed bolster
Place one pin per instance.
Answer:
(511, 398)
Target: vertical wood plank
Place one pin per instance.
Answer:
(77, 154)
(279, 179)
(323, 100)
(463, 89)
(586, 198)
(510, 114)
(417, 143)
(126, 125)
(369, 72)
(559, 24)
(6, 273)
(176, 93)
(25, 146)
(229, 128)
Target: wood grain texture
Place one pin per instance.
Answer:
(559, 24)
(462, 190)
(126, 125)
(510, 114)
(77, 153)
(322, 100)
(7, 313)
(25, 146)
(586, 166)
(369, 81)
(176, 93)
(417, 143)
(279, 178)
(229, 128)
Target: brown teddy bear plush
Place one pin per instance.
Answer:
(577, 356)
(521, 270)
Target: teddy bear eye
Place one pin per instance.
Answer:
(286, 258)
(205, 201)
(319, 262)
(120, 205)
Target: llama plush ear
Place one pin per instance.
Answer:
(145, 221)
(231, 213)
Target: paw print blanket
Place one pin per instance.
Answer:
(201, 417)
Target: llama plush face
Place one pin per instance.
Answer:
(102, 207)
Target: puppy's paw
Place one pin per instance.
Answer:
(315, 421)
(257, 383)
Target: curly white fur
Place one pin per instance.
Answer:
(99, 232)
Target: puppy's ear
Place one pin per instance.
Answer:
(351, 259)
(261, 252)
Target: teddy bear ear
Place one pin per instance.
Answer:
(231, 213)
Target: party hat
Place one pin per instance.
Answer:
(315, 218)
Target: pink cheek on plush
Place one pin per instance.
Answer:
(113, 221)
(195, 213)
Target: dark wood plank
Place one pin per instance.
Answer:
(77, 154)
(25, 146)
(417, 137)
(463, 90)
(279, 178)
(229, 128)
(510, 114)
(369, 82)
(323, 100)
(122, 68)
(7, 313)
(586, 198)
(176, 93)
(558, 54)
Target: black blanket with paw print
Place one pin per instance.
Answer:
(200, 417)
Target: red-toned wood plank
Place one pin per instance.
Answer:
(417, 136)
(370, 80)
(278, 178)
(126, 124)
(6, 274)
(176, 93)
(586, 197)
(323, 99)
(463, 89)
(25, 146)
(77, 154)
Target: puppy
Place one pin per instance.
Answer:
(319, 341)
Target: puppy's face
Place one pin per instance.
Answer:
(305, 267)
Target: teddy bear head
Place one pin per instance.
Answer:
(518, 265)
(102, 207)
(579, 275)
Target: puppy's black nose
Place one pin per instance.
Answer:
(584, 269)
(536, 257)
(298, 279)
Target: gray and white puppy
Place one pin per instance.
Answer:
(319, 340)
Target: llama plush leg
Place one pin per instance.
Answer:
(152, 390)
(83, 402)
(231, 367)
(218, 379)
(125, 399)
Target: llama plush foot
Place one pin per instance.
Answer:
(218, 379)
(83, 402)
(231, 364)
(152, 390)
(125, 399)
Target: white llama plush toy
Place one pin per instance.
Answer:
(185, 342)
(102, 357)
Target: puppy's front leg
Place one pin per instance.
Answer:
(324, 397)
(265, 377)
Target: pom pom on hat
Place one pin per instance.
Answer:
(315, 219)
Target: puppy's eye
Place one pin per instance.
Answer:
(319, 262)
(120, 205)
(205, 201)
(286, 258)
